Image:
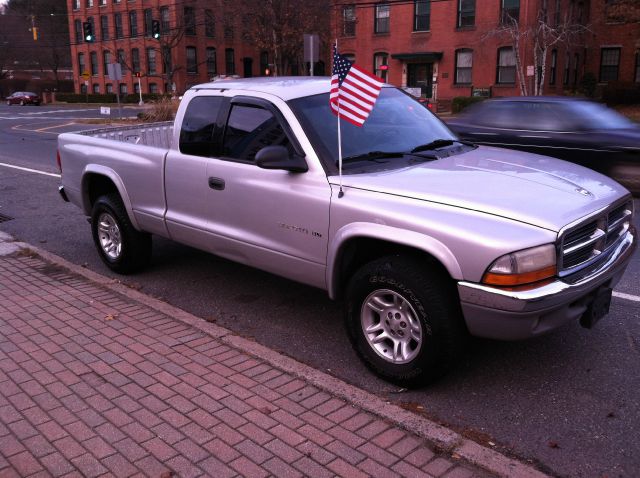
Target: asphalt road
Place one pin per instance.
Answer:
(568, 401)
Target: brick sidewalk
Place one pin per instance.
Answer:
(94, 383)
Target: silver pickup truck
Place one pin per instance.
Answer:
(433, 239)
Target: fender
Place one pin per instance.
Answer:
(115, 179)
(390, 234)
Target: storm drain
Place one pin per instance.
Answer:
(4, 218)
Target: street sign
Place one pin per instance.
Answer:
(530, 70)
(114, 70)
(105, 110)
(85, 75)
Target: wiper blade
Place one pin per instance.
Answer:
(435, 144)
(373, 156)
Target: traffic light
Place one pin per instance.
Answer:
(87, 28)
(155, 29)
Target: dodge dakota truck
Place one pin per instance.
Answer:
(426, 239)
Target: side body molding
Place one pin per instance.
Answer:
(389, 234)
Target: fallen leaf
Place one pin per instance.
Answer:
(110, 316)
(553, 444)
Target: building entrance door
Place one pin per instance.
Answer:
(420, 75)
(248, 67)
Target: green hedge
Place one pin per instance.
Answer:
(106, 98)
(461, 102)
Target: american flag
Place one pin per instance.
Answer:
(356, 89)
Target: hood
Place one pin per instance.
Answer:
(538, 190)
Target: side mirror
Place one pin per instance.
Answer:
(277, 157)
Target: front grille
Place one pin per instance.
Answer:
(590, 241)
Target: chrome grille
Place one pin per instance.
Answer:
(591, 240)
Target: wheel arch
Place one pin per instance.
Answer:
(98, 181)
(356, 244)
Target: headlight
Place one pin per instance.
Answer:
(522, 267)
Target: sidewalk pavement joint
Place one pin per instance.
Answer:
(229, 416)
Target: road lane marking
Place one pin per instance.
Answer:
(622, 295)
(29, 170)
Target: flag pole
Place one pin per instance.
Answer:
(341, 193)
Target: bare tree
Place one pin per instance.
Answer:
(546, 33)
(278, 26)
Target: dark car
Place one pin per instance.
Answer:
(572, 129)
(23, 98)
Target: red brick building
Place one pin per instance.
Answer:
(448, 48)
(196, 44)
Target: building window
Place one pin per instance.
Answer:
(228, 29)
(123, 89)
(165, 23)
(104, 27)
(510, 11)
(349, 21)
(192, 62)
(81, 66)
(88, 3)
(464, 66)
(77, 26)
(93, 56)
(151, 61)
(381, 65)
(212, 69)
(109, 87)
(122, 60)
(189, 21)
(133, 24)
(136, 87)
(135, 60)
(117, 25)
(565, 73)
(466, 13)
(382, 12)
(153, 88)
(637, 77)
(421, 15)
(76, 4)
(167, 65)
(83, 88)
(552, 69)
(93, 26)
(609, 64)
(230, 61)
(209, 24)
(506, 66)
(95, 88)
(106, 59)
(148, 21)
(102, 2)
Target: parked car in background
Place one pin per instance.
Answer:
(23, 98)
(575, 130)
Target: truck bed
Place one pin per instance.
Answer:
(156, 135)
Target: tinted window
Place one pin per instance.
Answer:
(250, 129)
(522, 115)
(595, 116)
(199, 126)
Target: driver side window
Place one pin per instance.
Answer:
(249, 129)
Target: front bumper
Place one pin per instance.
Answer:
(513, 315)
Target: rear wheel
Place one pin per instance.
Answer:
(403, 320)
(121, 247)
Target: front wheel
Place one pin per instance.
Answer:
(121, 247)
(403, 320)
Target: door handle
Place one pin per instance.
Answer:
(216, 183)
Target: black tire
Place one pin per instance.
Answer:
(417, 306)
(121, 247)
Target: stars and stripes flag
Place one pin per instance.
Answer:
(354, 91)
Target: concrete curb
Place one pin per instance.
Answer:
(439, 436)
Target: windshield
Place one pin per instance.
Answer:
(397, 123)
